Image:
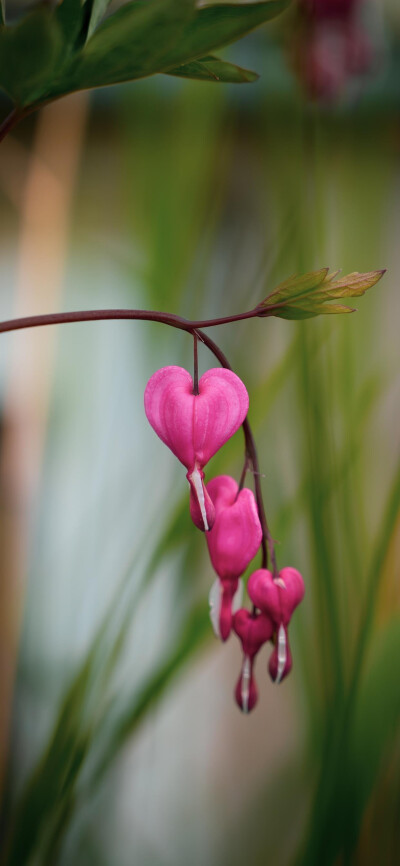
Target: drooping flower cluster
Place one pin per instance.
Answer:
(194, 424)
(329, 46)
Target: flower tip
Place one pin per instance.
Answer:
(246, 693)
(225, 598)
(202, 509)
(280, 663)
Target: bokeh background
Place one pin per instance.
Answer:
(120, 740)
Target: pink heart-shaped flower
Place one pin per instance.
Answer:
(252, 631)
(277, 598)
(236, 534)
(195, 426)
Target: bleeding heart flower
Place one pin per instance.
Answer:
(195, 426)
(277, 598)
(253, 630)
(232, 543)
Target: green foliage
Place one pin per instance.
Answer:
(306, 296)
(54, 52)
(69, 16)
(98, 8)
(213, 69)
(345, 667)
(30, 52)
(92, 724)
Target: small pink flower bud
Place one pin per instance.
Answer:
(232, 542)
(195, 426)
(253, 631)
(277, 598)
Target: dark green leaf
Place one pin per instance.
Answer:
(2, 12)
(213, 69)
(143, 39)
(130, 44)
(215, 26)
(69, 17)
(29, 52)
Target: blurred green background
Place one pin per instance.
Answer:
(123, 742)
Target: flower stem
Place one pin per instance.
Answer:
(10, 121)
(138, 315)
(195, 365)
(193, 327)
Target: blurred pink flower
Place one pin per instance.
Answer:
(329, 45)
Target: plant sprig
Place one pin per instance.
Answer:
(309, 295)
(59, 49)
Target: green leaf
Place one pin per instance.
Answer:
(303, 297)
(130, 44)
(143, 39)
(69, 16)
(29, 52)
(2, 12)
(296, 286)
(213, 69)
(298, 311)
(216, 26)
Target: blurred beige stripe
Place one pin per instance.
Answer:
(42, 188)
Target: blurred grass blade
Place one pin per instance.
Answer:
(388, 527)
(47, 802)
(195, 631)
(376, 724)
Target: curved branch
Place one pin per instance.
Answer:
(193, 328)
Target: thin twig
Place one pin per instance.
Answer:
(193, 327)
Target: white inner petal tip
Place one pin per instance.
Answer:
(282, 655)
(214, 600)
(245, 684)
(238, 597)
(198, 486)
(280, 582)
